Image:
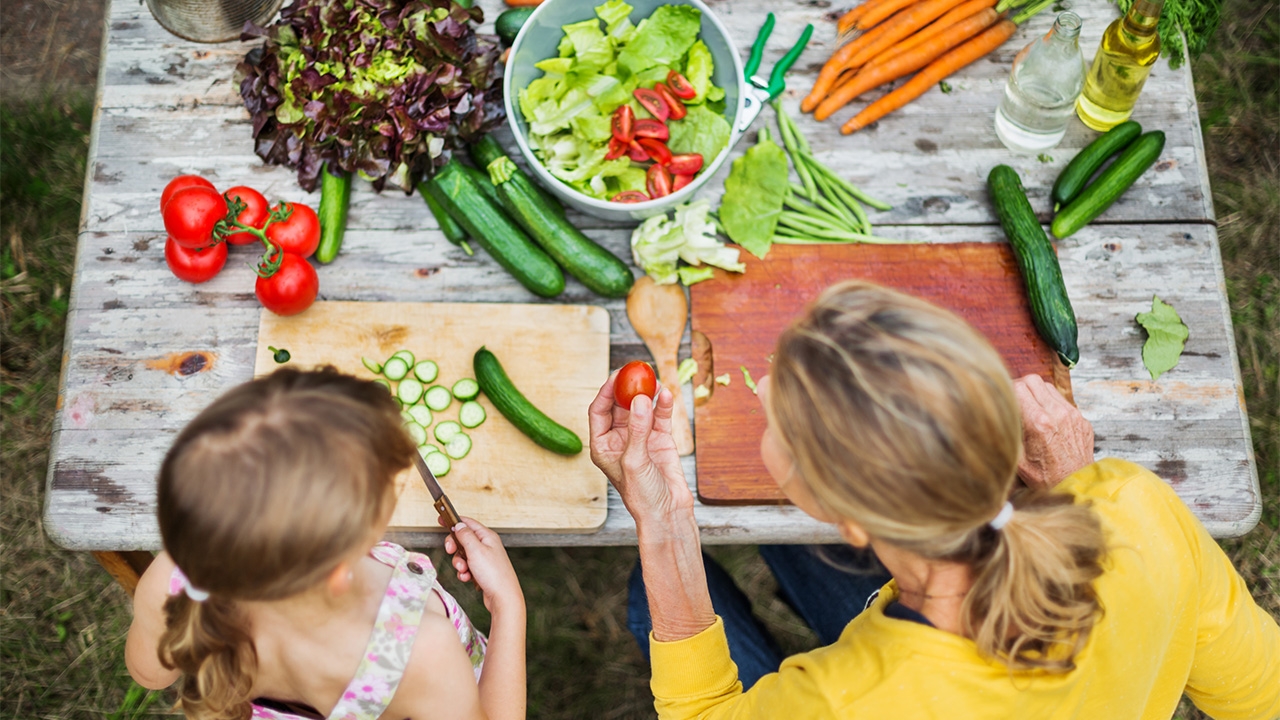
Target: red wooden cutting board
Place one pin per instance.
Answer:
(742, 316)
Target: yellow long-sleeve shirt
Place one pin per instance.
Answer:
(1176, 616)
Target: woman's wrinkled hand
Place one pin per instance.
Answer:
(635, 450)
(1056, 439)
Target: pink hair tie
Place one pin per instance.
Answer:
(191, 591)
(1002, 519)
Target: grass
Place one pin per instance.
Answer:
(62, 621)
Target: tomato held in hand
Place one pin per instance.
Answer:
(254, 214)
(635, 378)
(191, 214)
(299, 233)
(195, 265)
(291, 289)
(180, 182)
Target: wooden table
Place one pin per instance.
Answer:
(145, 352)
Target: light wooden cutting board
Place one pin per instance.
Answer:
(557, 355)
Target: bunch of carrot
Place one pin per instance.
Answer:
(892, 38)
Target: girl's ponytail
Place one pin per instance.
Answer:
(207, 642)
(1032, 604)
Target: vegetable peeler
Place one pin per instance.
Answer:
(759, 92)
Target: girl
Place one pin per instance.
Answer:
(274, 598)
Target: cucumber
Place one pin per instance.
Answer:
(1110, 185)
(417, 432)
(466, 389)
(449, 227)
(600, 270)
(386, 385)
(486, 150)
(409, 391)
(395, 368)
(1050, 307)
(446, 430)
(426, 371)
(372, 366)
(458, 446)
(516, 407)
(485, 184)
(420, 415)
(438, 463)
(438, 398)
(426, 449)
(471, 414)
(495, 232)
(335, 196)
(406, 354)
(1086, 162)
(508, 24)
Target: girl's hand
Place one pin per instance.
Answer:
(1056, 439)
(486, 563)
(635, 450)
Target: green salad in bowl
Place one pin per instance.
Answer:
(628, 112)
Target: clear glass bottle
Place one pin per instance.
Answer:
(1038, 98)
(1129, 48)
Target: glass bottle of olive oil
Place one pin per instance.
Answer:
(1129, 48)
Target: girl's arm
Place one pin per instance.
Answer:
(141, 648)
(502, 682)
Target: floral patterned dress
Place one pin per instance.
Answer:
(376, 679)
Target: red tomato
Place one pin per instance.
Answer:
(675, 108)
(624, 120)
(254, 214)
(652, 101)
(658, 181)
(299, 234)
(635, 378)
(636, 153)
(655, 149)
(180, 182)
(194, 265)
(650, 128)
(680, 182)
(291, 289)
(616, 149)
(630, 196)
(681, 86)
(685, 164)
(191, 214)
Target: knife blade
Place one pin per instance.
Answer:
(443, 505)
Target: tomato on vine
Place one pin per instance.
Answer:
(298, 233)
(179, 183)
(254, 215)
(191, 214)
(287, 284)
(195, 265)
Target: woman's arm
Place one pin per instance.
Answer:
(143, 642)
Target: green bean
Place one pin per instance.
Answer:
(835, 206)
(852, 203)
(789, 142)
(852, 190)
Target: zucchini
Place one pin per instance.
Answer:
(335, 196)
(1110, 185)
(1050, 307)
(1082, 167)
(600, 270)
(449, 227)
(486, 150)
(508, 24)
(516, 407)
(496, 233)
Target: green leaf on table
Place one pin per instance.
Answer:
(753, 195)
(1166, 335)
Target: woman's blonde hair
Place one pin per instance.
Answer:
(260, 497)
(901, 417)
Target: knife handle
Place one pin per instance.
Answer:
(445, 509)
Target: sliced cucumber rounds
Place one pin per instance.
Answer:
(426, 371)
(409, 391)
(438, 463)
(466, 389)
(417, 432)
(471, 414)
(458, 446)
(446, 430)
(426, 449)
(438, 398)
(395, 368)
(404, 355)
(372, 366)
(420, 415)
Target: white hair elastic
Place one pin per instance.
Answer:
(1002, 519)
(192, 591)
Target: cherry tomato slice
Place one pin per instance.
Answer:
(658, 181)
(291, 289)
(680, 182)
(681, 86)
(180, 182)
(634, 379)
(623, 123)
(191, 214)
(254, 214)
(655, 149)
(649, 128)
(299, 233)
(630, 196)
(637, 153)
(675, 108)
(652, 101)
(195, 265)
(685, 164)
(616, 149)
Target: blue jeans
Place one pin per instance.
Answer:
(825, 597)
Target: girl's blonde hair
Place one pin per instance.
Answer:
(902, 418)
(260, 497)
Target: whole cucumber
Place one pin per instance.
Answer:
(513, 405)
(486, 150)
(449, 227)
(1050, 307)
(335, 196)
(1110, 185)
(1086, 162)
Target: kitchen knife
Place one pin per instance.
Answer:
(442, 503)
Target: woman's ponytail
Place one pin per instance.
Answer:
(209, 644)
(1032, 604)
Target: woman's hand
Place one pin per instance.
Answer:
(486, 563)
(635, 450)
(1056, 439)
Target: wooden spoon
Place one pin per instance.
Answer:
(659, 313)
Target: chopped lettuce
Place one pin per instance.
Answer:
(659, 243)
(697, 71)
(701, 131)
(662, 38)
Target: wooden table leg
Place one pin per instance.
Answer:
(125, 566)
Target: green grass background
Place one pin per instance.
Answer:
(63, 621)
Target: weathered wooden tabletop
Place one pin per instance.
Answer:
(145, 352)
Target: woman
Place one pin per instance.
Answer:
(897, 422)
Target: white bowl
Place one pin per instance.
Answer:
(537, 41)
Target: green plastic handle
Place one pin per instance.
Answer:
(777, 79)
(757, 50)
